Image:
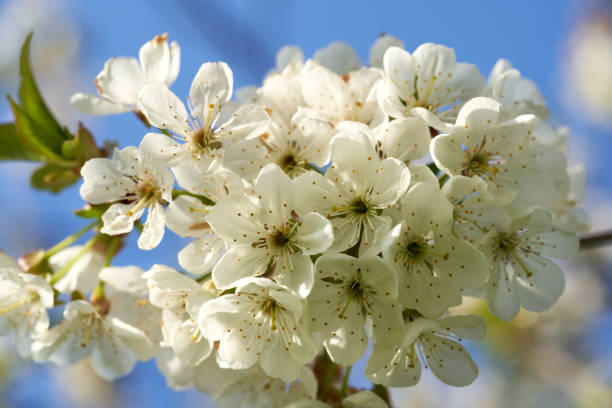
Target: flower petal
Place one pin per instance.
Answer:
(94, 105)
(120, 80)
(211, 88)
(163, 108)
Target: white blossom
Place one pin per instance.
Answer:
(122, 78)
(269, 232)
(429, 79)
(433, 343)
(24, 300)
(203, 141)
(356, 190)
(340, 98)
(293, 147)
(432, 265)
(180, 299)
(260, 323)
(520, 272)
(480, 146)
(348, 291)
(133, 182)
(112, 345)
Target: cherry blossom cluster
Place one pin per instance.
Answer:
(336, 208)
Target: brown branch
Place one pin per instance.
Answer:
(596, 240)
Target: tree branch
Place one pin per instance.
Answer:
(596, 240)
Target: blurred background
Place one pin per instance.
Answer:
(561, 358)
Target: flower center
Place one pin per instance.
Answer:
(359, 206)
(203, 139)
(355, 290)
(416, 248)
(287, 162)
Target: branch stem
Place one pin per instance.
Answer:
(347, 374)
(60, 274)
(69, 240)
(596, 240)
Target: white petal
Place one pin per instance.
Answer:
(380, 46)
(393, 367)
(467, 327)
(186, 216)
(431, 119)
(364, 399)
(287, 55)
(339, 57)
(211, 88)
(111, 359)
(277, 362)
(247, 122)
(276, 193)
(324, 91)
(83, 275)
(450, 362)
(126, 279)
(95, 105)
(425, 208)
(421, 173)
(295, 272)
(103, 182)
(539, 282)
(163, 108)
(315, 234)
(175, 63)
(119, 219)
(200, 256)
(404, 139)
(189, 350)
(120, 80)
(156, 60)
(231, 219)
(154, 227)
(479, 112)
(238, 263)
(461, 263)
(164, 148)
(448, 155)
(502, 296)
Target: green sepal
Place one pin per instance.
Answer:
(82, 147)
(434, 169)
(92, 211)
(53, 177)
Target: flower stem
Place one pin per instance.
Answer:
(596, 240)
(60, 274)
(69, 240)
(142, 118)
(205, 200)
(347, 373)
(112, 250)
(203, 277)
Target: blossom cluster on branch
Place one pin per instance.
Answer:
(335, 208)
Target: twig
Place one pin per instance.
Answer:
(596, 240)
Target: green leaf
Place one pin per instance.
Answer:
(11, 147)
(53, 177)
(82, 147)
(32, 136)
(33, 103)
